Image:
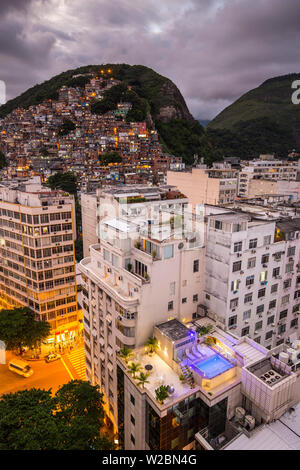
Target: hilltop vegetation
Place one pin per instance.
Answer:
(264, 120)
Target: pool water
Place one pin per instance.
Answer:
(213, 366)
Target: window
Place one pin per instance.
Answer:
(260, 309)
(245, 331)
(258, 325)
(170, 305)
(267, 240)
(132, 399)
(283, 314)
(232, 321)
(291, 251)
(248, 298)
(251, 263)
(132, 439)
(265, 259)
(235, 285)
(234, 303)
(237, 266)
(297, 294)
(269, 335)
(195, 298)
(249, 280)
(272, 304)
(132, 419)
(184, 300)
(276, 272)
(168, 251)
(270, 320)
(285, 299)
(252, 243)
(237, 247)
(196, 266)
(281, 329)
(172, 288)
(261, 293)
(274, 288)
(294, 322)
(287, 283)
(246, 314)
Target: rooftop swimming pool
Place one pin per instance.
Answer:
(213, 366)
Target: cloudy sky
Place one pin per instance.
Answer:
(214, 50)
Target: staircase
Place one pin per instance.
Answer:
(188, 375)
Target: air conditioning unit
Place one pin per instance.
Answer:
(109, 270)
(120, 278)
(253, 251)
(241, 272)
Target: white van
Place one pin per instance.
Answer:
(20, 367)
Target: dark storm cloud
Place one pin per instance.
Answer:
(214, 50)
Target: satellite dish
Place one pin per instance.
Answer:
(180, 246)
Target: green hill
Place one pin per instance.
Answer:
(155, 99)
(264, 120)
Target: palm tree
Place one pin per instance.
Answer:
(134, 368)
(142, 379)
(162, 393)
(126, 353)
(152, 344)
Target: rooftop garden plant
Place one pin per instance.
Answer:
(204, 330)
(134, 368)
(125, 353)
(143, 379)
(152, 344)
(162, 393)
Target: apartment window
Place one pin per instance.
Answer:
(252, 243)
(106, 255)
(285, 299)
(36, 219)
(237, 247)
(274, 288)
(195, 298)
(251, 263)
(132, 439)
(270, 320)
(265, 259)
(234, 303)
(269, 335)
(132, 399)
(168, 251)
(296, 308)
(115, 260)
(291, 251)
(245, 331)
(246, 314)
(267, 240)
(276, 272)
(257, 340)
(260, 309)
(235, 285)
(287, 283)
(249, 280)
(170, 305)
(172, 288)
(132, 419)
(248, 298)
(294, 322)
(258, 325)
(281, 329)
(297, 294)
(261, 293)
(232, 321)
(184, 300)
(196, 266)
(272, 304)
(289, 267)
(283, 314)
(237, 266)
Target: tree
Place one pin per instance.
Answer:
(70, 420)
(134, 368)
(126, 353)
(162, 393)
(18, 329)
(143, 379)
(152, 344)
(67, 126)
(3, 161)
(64, 181)
(79, 249)
(110, 157)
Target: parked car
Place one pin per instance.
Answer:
(52, 357)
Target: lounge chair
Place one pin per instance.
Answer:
(190, 355)
(195, 352)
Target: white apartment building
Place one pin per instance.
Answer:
(265, 169)
(251, 281)
(139, 274)
(37, 265)
(221, 389)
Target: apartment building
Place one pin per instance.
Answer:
(139, 274)
(251, 281)
(220, 388)
(202, 185)
(265, 168)
(37, 266)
